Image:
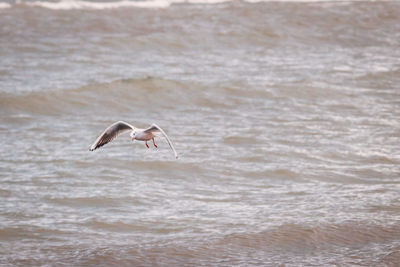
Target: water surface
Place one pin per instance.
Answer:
(285, 116)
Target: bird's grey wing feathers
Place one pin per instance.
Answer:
(111, 133)
(154, 128)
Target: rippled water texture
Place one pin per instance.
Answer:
(285, 117)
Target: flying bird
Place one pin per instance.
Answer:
(119, 127)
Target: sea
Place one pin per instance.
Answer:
(285, 116)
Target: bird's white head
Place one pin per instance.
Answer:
(133, 135)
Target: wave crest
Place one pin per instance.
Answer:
(88, 5)
(4, 5)
(76, 4)
(118, 96)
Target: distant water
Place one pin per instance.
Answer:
(285, 115)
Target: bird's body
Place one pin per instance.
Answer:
(119, 127)
(142, 135)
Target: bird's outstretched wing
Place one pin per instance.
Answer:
(155, 128)
(110, 133)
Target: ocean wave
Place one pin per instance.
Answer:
(320, 236)
(71, 4)
(77, 4)
(88, 5)
(119, 96)
(4, 5)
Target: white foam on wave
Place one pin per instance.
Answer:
(77, 4)
(80, 4)
(4, 5)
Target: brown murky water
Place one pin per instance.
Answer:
(285, 116)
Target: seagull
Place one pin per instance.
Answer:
(119, 127)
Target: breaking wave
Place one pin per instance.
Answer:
(120, 95)
(4, 5)
(89, 5)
